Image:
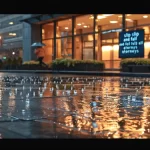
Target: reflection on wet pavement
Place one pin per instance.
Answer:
(47, 106)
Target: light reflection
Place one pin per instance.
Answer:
(110, 107)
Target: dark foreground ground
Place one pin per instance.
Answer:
(54, 106)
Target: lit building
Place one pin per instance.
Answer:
(11, 34)
(88, 36)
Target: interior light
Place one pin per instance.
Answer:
(145, 16)
(128, 14)
(101, 17)
(66, 28)
(113, 21)
(130, 20)
(120, 16)
(79, 24)
(11, 23)
(13, 53)
(12, 34)
(107, 15)
(91, 17)
(85, 26)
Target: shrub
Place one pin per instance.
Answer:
(32, 62)
(66, 63)
(135, 61)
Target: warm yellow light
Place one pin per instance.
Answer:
(115, 47)
(66, 28)
(11, 23)
(85, 26)
(107, 15)
(100, 17)
(43, 31)
(91, 17)
(147, 44)
(79, 24)
(128, 14)
(130, 20)
(120, 16)
(106, 48)
(113, 21)
(145, 16)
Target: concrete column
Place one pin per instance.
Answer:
(31, 34)
(26, 41)
(36, 36)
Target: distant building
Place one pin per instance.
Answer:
(11, 34)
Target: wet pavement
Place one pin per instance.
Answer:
(70, 106)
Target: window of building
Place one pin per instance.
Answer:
(48, 31)
(49, 50)
(109, 21)
(64, 28)
(78, 44)
(12, 34)
(133, 20)
(84, 24)
(64, 47)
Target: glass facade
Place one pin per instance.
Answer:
(92, 36)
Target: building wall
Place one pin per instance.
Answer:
(11, 32)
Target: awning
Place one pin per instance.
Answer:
(41, 18)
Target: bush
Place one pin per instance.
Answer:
(135, 61)
(32, 62)
(66, 63)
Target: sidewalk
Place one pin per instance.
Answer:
(103, 73)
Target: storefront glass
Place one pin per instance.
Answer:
(49, 50)
(106, 36)
(64, 48)
(84, 24)
(64, 28)
(48, 31)
(78, 45)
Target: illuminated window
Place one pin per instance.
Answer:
(48, 31)
(64, 48)
(109, 21)
(84, 24)
(64, 28)
(137, 19)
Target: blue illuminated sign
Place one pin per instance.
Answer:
(131, 44)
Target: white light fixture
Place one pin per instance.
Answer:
(91, 17)
(114, 21)
(85, 26)
(130, 20)
(13, 53)
(66, 28)
(145, 16)
(11, 23)
(0, 37)
(107, 15)
(100, 17)
(79, 24)
(14, 34)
